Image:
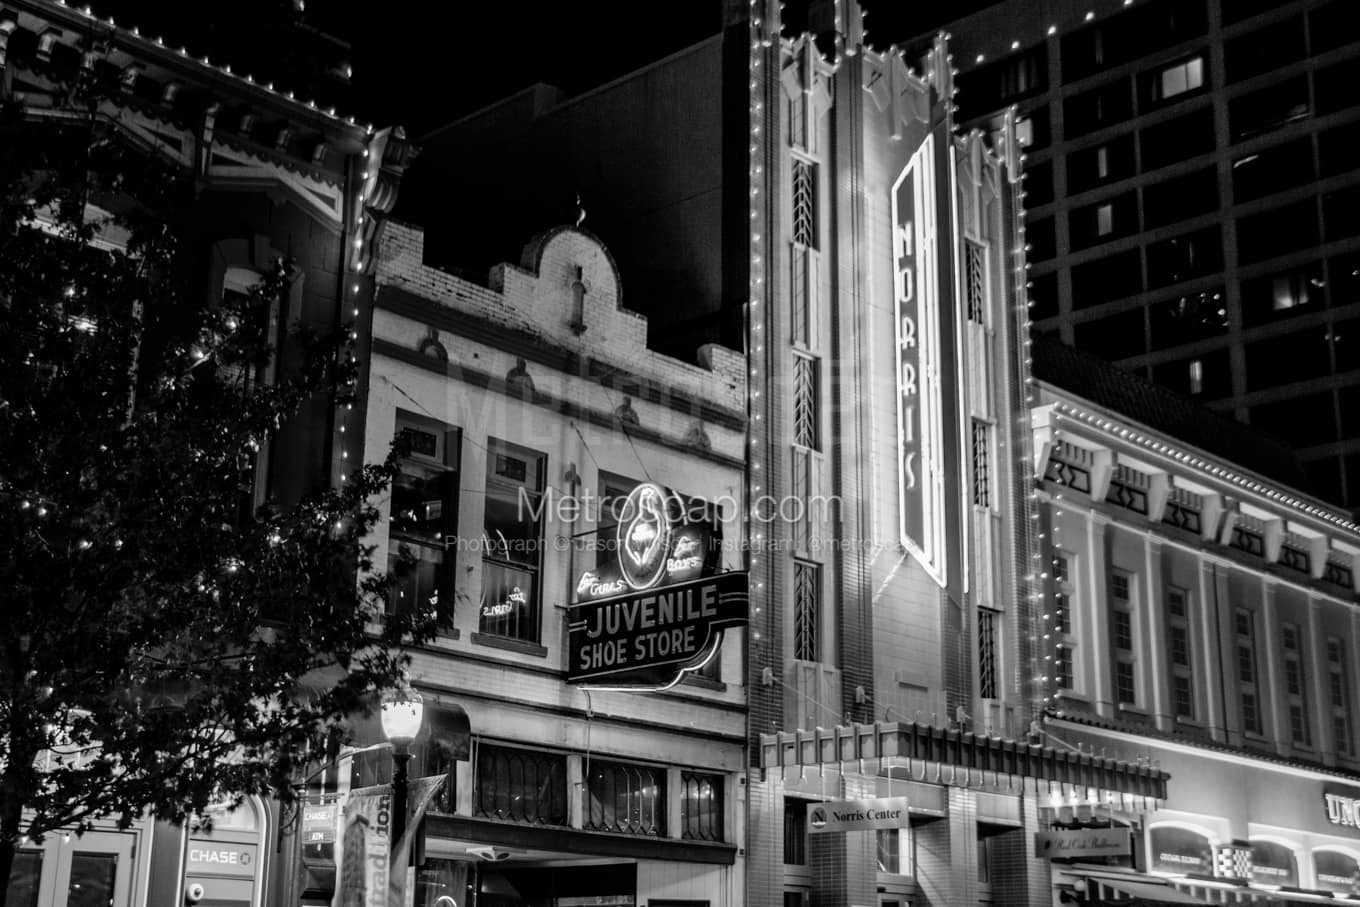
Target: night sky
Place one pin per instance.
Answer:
(424, 64)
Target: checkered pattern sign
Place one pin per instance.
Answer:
(1232, 861)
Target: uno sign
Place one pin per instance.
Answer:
(648, 636)
(917, 308)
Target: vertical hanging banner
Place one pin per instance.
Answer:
(916, 305)
(363, 858)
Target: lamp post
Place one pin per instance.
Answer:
(402, 713)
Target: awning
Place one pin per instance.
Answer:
(1148, 891)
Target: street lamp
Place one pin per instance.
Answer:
(402, 712)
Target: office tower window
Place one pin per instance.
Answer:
(1185, 257)
(1174, 81)
(1336, 148)
(1100, 107)
(512, 534)
(988, 625)
(1297, 356)
(807, 603)
(804, 203)
(1272, 170)
(1247, 679)
(1188, 318)
(1296, 290)
(1088, 168)
(1277, 44)
(1295, 690)
(1268, 108)
(1122, 637)
(1113, 337)
(1303, 419)
(1207, 375)
(1038, 184)
(1330, 25)
(1338, 687)
(1182, 657)
(1339, 214)
(1105, 279)
(1277, 231)
(1103, 221)
(1180, 198)
(424, 517)
(1041, 240)
(1334, 86)
(1179, 139)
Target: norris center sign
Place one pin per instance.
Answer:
(653, 628)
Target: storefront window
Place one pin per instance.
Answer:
(701, 807)
(512, 535)
(24, 878)
(518, 785)
(424, 517)
(626, 798)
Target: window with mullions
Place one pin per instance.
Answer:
(804, 203)
(512, 537)
(520, 785)
(988, 656)
(1180, 79)
(1122, 637)
(1295, 685)
(982, 472)
(1182, 661)
(1064, 640)
(424, 517)
(701, 807)
(795, 831)
(975, 267)
(807, 624)
(805, 397)
(1244, 625)
(625, 798)
(1338, 686)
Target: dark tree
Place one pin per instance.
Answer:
(162, 646)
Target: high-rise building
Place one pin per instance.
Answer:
(1191, 189)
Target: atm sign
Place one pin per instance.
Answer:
(217, 858)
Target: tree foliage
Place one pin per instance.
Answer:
(161, 647)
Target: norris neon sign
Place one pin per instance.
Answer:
(916, 307)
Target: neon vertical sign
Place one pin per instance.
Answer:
(920, 439)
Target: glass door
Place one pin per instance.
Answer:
(93, 870)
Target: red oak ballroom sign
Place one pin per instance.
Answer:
(659, 609)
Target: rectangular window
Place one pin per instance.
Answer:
(806, 611)
(520, 785)
(625, 798)
(1294, 685)
(701, 807)
(1104, 220)
(888, 841)
(805, 398)
(1182, 671)
(805, 203)
(1245, 626)
(795, 831)
(1338, 683)
(1064, 640)
(987, 652)
(982, 473)
(975, 265)
(424, 517)
(1122, 638)
(985, 857)
(1178, 79)
(512, 538)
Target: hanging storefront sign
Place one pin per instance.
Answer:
(362, 860)
(1180, 851)
(1082, 843)
(660, 540)
(839, 816)
(650, 636)
(655, 607)
(319, 822)
(920, 404)
(1336, 872)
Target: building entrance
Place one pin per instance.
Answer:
(93, 870)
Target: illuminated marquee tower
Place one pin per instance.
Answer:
(893, 627)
